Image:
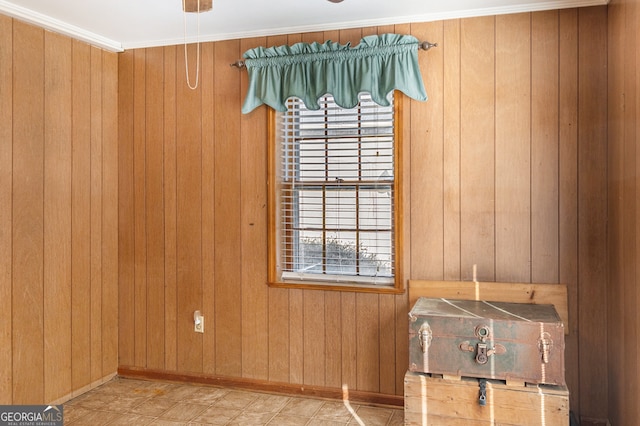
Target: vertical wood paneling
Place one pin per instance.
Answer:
(633, 411)
(6, 207)
(427, 175)
(314, 348)
(126, 182)
(568, 188)
(623, 213)
(592, 206)
(154, 192)
(96, 213)
(477, 147)
(57, 220)
(278, 335)
(402, 307)
(367, 325)
(28, 175)
(332, 343)
(451, 154)
(57, 121)
(629, 214)
(255, 294)
(349, 333)
(170, 209)
(208, 205)
(228, 295)
(387, 333)
(513, 148)
(544, 147)
(80, 216)
(189, 218)
(110, 214)
(139, 207)
(615, 170)
(296, 336)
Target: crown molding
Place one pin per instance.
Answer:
(55, 25)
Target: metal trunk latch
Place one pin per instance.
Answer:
(544, 345)
(424, 336)
(482, 397)
(483, 352)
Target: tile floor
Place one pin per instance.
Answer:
(137, 402)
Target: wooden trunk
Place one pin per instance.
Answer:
(432, 400)
(505, 341)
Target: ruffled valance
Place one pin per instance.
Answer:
(377, 65)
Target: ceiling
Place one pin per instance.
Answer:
(118, 25)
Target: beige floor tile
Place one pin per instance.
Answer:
(144, 387)
(118, 386)
(267, 403)
(93, 400)
(324, 422)
(162, 422)
(95, 418)
(125, 403)
(216, 415)
(397, 419)
(302, 407)
(130, 420)
(182, 393)
(250, 418)
(183, 412)
(236, 399)
(374, 416)
(335, 411)
(154, 407)
(74, 412)
(288, 420)
(205, 395)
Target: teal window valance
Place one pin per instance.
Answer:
(377, 65)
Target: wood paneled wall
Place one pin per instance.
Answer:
(505, 168)
(58, 215)
(624, 212)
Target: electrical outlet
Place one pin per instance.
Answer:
(198, 320)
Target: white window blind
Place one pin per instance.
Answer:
(336, 192)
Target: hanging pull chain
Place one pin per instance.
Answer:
(186, 59)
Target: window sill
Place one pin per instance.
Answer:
(345, 286)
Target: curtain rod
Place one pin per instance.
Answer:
(425, 45)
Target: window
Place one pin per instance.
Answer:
(334, 196)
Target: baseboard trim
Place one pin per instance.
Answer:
(260, 385)
(83, 390)
(585, 421)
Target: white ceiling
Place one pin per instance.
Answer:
(126, 24)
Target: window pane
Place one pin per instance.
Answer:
(337, 200)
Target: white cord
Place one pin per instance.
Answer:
(345, 400)
(186, 60)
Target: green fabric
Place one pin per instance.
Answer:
(377, 65)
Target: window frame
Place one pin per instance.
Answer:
(273, 189)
